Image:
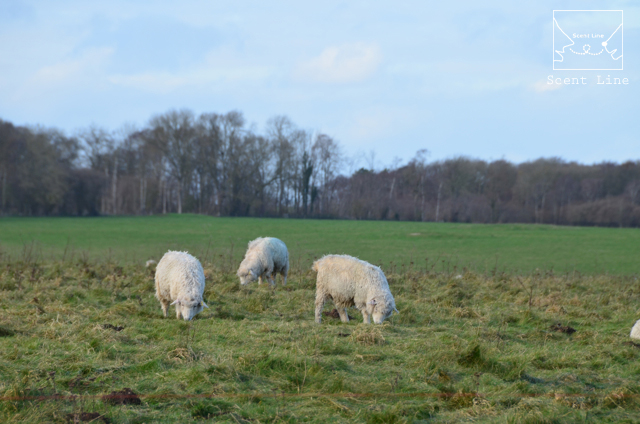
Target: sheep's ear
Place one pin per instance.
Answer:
(373, 302)
(176, 301)
(252, 273)
(396, 309)
(204, 304)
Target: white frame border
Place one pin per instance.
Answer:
(554, 41)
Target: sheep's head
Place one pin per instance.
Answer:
(381, 309)
(190, 307)
(246, 276)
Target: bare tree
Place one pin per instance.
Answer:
(215, 164)
(98, 147)
(535, 180)
(501, 177)
(174, 134)
(286, 140)
(327, 156)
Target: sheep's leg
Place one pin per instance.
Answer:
(344, 316)
(260, 280)
(319, 306)
(165, 307)
(284, 274)
(270, 274)
(366, 318)
(178, 313)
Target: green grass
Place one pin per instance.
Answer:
(437, 246)
(256, 356)
(473, 342)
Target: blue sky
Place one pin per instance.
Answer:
(457, 78)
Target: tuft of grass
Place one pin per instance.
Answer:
(368, 335)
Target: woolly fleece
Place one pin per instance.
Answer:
(180, 281)
(349, 281)
(265, 257)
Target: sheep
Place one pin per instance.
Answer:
(265, 257)
(635, 331)
(151, 264)
(180, 282)
(349, 281)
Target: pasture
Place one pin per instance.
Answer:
(437, 246)
(474, 340)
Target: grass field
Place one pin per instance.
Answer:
(516, 248)
(78, 321)
(478, 348)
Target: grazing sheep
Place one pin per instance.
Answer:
(180, 282)
(635, 331)
(265, 257)
(350, 281)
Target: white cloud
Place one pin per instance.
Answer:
(69, 70)
(53, 81)
(165, 82)
(543, 86)
(341, 64)
(217, 68)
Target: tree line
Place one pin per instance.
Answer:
(219, 165)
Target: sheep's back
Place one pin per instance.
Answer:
(180, 270)
(265, 250)
(347, 275)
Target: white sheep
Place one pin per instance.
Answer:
(350, 281)
(180, 282)
(265, 257)
(151, 264)
(635, 331)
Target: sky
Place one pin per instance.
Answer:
(391, 77)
